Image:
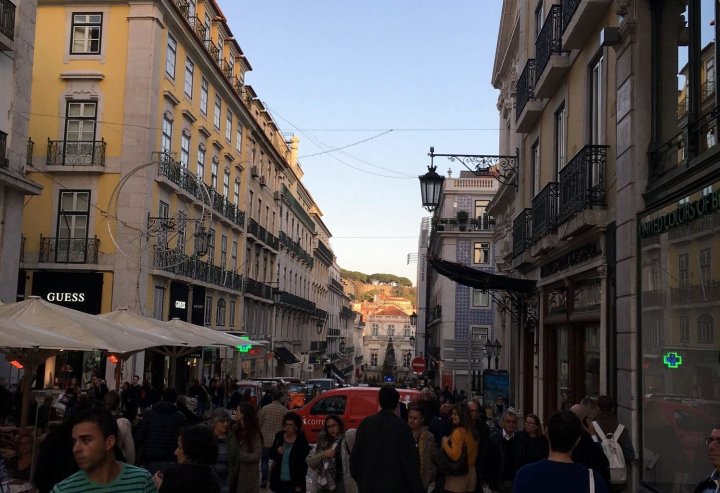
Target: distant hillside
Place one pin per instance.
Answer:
(385, 279)
(366, 286)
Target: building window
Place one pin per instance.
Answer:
(407, 358)
(211, 246)
(86, 34)
(180, 243)
(214, 173)
(184, 150)
(216, 116)
(407, 332)
(597, 114)
(391, 331)
(705, 267)
(480, 207)
(536, 167)
(158, 302)
(479, 333)
(80, 130)
(375, 330)
(560, 140)
(228, 127)
(191, 9)
(480, 298)
(208, 310)
(226, 184)
(220, 313)
(231, 314)
(170, 56)
(233, 255)
(201, 164)
(373, 358)
(163, 211)
(189, 70)
(73, 216)
(223, 251)
(683, 270)
(166, 138)
(685, 329)
(236, 193)
(203, 96)
(705, 329)
(539, 18)
(238, 137)
(481, 253)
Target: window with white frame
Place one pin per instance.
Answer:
(158, 302)
(86, 33)
(480, 298)
(233, 255)
(407, 332)
(536, 167)
(208, 29)
(228, 127)
(373, 358)
(223, 251)
(218, 108)
(375, 330)
(481, 252)
(236, 193)
(238, 139)
(208, 310)
(204, 96)
(73, 215)
(597, 115)
(539, 18)
(705, 330)
(705, 264)
(170, 56)
(80, 125)
(231, 314)
(226, 184)
(191, 9)
(201, 164)
(560, 128)
(391, 331)
(479, 332)
(211, 246)
(407, 358)
(163, 211)
(214, 173)
(184, 150)
(180, 241)
(189, 73)
(166, 138)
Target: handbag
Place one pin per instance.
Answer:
(454, 467)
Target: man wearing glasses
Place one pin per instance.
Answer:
(712, 482)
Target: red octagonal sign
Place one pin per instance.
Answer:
(418, 364)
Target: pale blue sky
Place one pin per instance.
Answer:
(336, 72)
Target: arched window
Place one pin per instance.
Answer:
(220, 314)
(705, 329)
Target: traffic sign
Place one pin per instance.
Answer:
(418, 364)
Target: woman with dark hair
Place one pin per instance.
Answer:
(535, 441)
(464, 435)
(288, 452)
(245, 461)
(196, 453)
(326, 459)
(125, 442)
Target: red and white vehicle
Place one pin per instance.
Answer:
(352, 404)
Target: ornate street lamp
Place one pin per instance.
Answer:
(413, 319)
(493, 349)
(430, 187)
(502, 168)
(202, 241)
(277, 296)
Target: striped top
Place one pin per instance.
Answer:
(130, 480)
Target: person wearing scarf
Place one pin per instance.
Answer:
(326, 459)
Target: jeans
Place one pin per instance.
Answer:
(264, 465)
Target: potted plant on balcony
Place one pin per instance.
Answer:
(462, 218)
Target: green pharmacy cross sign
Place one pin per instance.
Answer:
(672, 360)
(244, 348)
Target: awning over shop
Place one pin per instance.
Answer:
(467, 276)
(283, 354)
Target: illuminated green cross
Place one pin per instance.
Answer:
(672, 360)
(244, 348)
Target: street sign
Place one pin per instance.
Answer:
(418, 364)
(462, 345)
(462, 365)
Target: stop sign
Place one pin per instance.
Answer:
(418, 364)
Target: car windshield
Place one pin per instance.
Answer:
(296, 388)
(323, 384)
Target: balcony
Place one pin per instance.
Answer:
(696, 293)
(522, 237)
(297, 302)
(7, 25)
(178, 175)
(347, 313)
(333, 333)
(198, 27)
(68, 250)
(336, 285)
(184, 7)
(582, 183)
(76, 153)
(545, 212)
(324, 252)
(579, 18)
(527, 109)
(3, 151)
(211, 49)
(193, 268)
(320, 346)
(552, 63)
(257, 288)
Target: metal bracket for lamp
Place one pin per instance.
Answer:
(503, 168)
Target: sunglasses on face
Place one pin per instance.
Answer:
(710, 440)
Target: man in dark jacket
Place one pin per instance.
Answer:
(713, 443)
(507, 454)
(384, 457)
(158, 431)
(589, 452)
(608, 423)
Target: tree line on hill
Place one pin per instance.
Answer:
(387, 279)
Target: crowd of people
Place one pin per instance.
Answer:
(135, 440)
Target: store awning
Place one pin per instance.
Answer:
(467, 276)
(284, 355)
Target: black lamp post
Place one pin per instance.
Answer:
(431, 185)
(493, 349)
(413, 319)
(202, 241)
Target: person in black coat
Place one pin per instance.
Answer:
(196, 452)
(158, 431)
(507, 454)
(384, 457)
(55, 460)
(288, 452)
(588, 452)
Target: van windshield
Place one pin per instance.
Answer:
(323, 384)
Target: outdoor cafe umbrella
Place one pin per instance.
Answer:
(21, 335)
(92, 332)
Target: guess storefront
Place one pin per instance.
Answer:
(679, 251)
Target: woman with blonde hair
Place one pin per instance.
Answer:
(464, 436)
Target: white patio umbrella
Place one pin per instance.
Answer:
(208, 337)
(21, 335)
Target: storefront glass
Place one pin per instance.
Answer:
(680, 309)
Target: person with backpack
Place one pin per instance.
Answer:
(616, 443)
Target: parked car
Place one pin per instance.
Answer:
(255, 390)
(296, 396)
(352, 404)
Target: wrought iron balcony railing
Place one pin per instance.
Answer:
(68, 250)
(696, 293)
(211, 49)
(336, 284)
(333, 333)
(549, 40)
(321, 314)
(183, 265)
(252, 227)
(582, 182)
(297, 302)
(198, 27)
(3, 150)
(184, 7)
(323, 250)
(318, 345)
(169, 168)
(568, 11)
(545, 211)
(257, 288)
(347, 313)
(76, 152)
(525, 87)
(522, 236)
(7, 18)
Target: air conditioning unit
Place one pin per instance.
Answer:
(277, 196)
(254, 171)
(263, 181)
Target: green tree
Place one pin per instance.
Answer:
(390, 363)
